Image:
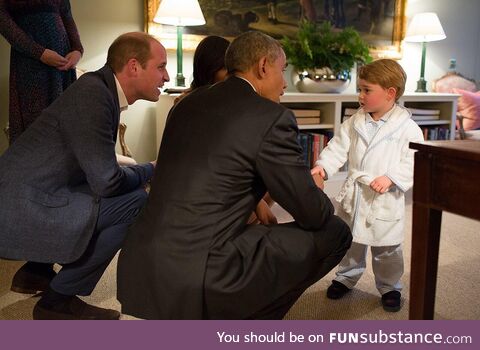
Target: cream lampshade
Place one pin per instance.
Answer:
(179, 13)
(424, 27)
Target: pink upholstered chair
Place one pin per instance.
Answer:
(468, 108)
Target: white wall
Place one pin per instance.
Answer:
(100, 22)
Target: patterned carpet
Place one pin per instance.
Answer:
(457, 295)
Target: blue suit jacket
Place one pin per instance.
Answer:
(52, 177)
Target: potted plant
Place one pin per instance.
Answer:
(323, 58)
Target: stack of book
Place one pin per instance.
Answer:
(307, 116)
(425, 114)
(348, 112)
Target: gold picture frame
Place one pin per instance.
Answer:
(387, 45)
(395, 49)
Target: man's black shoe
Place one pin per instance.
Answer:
(32, 278)
(391, 301)
(337, 290)
(72, 309)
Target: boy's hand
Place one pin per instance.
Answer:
(381, 184)
(318, 170)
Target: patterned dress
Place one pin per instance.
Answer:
(31, 26)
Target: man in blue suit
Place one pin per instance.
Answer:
(65, 199)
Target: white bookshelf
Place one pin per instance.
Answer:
(332, 107)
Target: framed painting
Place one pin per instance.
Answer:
(381, 23)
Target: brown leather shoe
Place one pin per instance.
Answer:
(73, 309)
(32, 278)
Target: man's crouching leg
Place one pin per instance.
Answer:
(60, 301)
(332, 243)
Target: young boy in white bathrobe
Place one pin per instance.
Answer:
(375, 142)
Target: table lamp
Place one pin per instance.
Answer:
(424, 27)
(179, 13)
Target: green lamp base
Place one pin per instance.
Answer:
(179, 80)
(421, 85)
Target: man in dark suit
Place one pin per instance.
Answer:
(190, 254)
(64, 198)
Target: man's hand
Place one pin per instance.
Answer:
(264, 213)
(154, 163)
(318, 181)
(52, 58)
(381, 184)
(318, 170)
(72, 59)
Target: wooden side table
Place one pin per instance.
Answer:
(446, 177)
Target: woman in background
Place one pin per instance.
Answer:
(208, 63)
(45, 50)
(209, 68)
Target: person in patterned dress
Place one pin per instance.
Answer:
(45, 50)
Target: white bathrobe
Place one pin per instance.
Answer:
(375, 219)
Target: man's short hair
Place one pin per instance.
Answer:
(386, 73)
(248, 48)
(127, 46)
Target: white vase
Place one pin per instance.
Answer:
(320, 80)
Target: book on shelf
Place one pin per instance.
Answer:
(436, 133)
(422, 111)
(306, 113)
(308, 120)
(350, 111)
(347, 113)
(312, 145)
(419, 117)
(304, 140)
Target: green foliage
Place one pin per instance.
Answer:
(320, 46)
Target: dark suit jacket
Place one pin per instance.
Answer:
(223, 146)
(52, 177)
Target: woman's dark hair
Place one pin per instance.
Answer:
(209, 58)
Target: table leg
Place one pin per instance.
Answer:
(424, 263)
